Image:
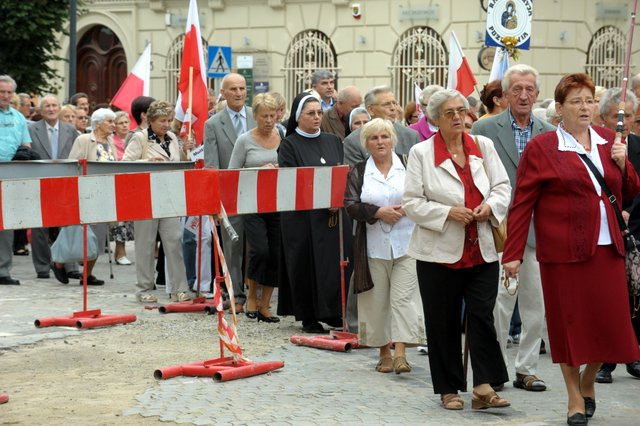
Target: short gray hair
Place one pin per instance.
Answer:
(551, 112)
(375, 126)
(370, 96)
(7, 79)
(321, 75)
(428, 91)
(612, 97)
(100, 115)
(47, 96)
(439, 98)
(357, 111)
(120, 114)
(521, 69)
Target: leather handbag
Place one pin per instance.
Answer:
(632, 246)
(499, 232)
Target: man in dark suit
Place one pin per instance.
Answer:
(52, 139)
(510, 131)
(336, 119)
(220, 134)
(381, 103)
(609, 104)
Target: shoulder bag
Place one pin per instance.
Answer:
(632, 255)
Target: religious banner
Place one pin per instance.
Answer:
(509, 24)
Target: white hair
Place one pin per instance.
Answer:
(100, 115)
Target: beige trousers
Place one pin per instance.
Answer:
(392, 310)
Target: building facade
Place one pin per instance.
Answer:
(395, 42)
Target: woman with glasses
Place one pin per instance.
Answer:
(578, 242)
(456, 188)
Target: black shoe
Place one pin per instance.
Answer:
(43, 275)
(265, 318)
(589, 406)
(91, 280)
(252, 314)
(74, 275)
(60, 274)
(21, 252)
(313, 327)
(578, 419)
(633, 368)
(497, 386)
(8, 281)
(604, 376)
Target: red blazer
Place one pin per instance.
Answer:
(555, 186)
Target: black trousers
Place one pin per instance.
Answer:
(443, 290)
(263, 235)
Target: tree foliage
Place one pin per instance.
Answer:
(29, 41)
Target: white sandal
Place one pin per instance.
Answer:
(147, 298)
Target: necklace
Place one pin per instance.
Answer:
(386, 231)
(586, 148)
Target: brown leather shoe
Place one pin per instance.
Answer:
(490, 400)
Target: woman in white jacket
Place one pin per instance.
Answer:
(455, 189)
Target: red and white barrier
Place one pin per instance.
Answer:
(276, 190)
(61, 201)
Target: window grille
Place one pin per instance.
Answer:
(309, 51)
(172, 66)
(420, 56)
(606, 56)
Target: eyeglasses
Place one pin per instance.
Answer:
(388, 104)
(82, 118)
(450, 113)
(577, 102)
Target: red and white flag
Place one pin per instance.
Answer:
(136, 84)
(193, 58)
(460, 75)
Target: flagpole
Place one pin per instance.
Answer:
(190, 102)
(625, 76)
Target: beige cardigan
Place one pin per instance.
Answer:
(85, 147)
(140, 148)
(430, 192)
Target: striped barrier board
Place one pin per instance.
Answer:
(72, 200)
(62, 201)
(247, 191)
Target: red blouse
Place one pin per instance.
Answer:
(471, 255)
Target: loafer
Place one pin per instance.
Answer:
(578, 419)
(123, 261)
(60, 274)
(529, 382)
(589, 406)
(604, 376)
(21, 252)
(633, 368)
(8, 281)
(91, 280)
(251, 314)
(313, 327)
(74, 275)
(43, 275)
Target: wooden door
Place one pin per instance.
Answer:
(102, 65)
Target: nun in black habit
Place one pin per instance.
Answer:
(310, 262)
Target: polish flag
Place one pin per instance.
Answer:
(136, 84)
(460, 75)
(193, 58)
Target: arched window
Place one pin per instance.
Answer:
(309, 51)
(172, 66)
(420, 57)
(606, 56)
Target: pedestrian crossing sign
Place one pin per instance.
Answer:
(219, 61)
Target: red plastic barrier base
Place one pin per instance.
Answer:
(4, 398)
(220, 369)
(85, 319)
(199, 304)
(339, 341)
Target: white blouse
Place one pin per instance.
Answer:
(566, 142)
(386, 241)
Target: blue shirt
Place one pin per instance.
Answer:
(13, 133)
(522, 136)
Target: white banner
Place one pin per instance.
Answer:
(509, 18)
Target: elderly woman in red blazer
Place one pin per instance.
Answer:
(579, 245)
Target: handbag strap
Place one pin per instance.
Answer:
(612, 198)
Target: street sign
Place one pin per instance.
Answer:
(247, 73)
(219, 61)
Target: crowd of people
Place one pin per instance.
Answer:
(427, 185)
